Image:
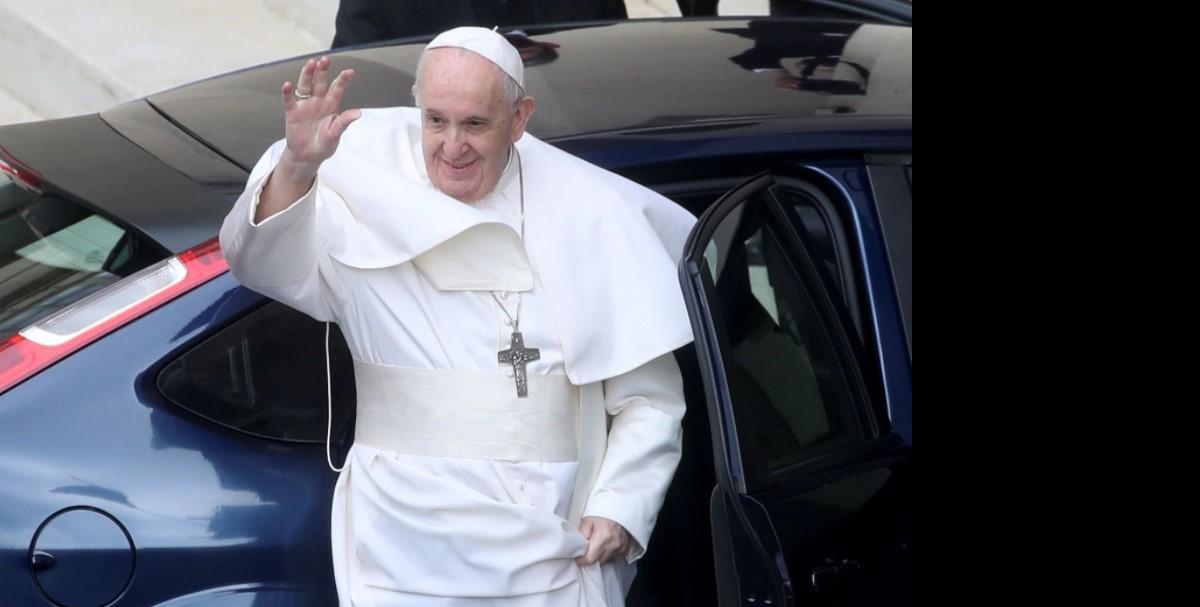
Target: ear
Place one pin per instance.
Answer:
(525, 108)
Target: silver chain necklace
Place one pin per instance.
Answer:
(517, 354)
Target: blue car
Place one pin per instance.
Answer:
(162, 428)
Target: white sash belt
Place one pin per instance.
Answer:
(459, 414)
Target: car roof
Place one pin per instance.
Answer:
(607, 78)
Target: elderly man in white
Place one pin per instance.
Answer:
(512, 312)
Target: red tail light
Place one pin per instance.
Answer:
(66, 331)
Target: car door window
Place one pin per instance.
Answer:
(265, 375)
(791, 369)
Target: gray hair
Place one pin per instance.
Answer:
(513, 93)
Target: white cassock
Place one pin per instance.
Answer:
(456, 492)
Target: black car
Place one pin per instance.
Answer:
(151, 453)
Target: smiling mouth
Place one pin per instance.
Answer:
(459, 166)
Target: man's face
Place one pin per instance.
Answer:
(467, 125)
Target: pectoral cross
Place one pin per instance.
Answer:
(518, 355)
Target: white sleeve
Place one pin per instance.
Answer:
(281, 256)
(644, 446)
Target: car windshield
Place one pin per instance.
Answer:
(54, 252)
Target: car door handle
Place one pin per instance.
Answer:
(828, 579)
